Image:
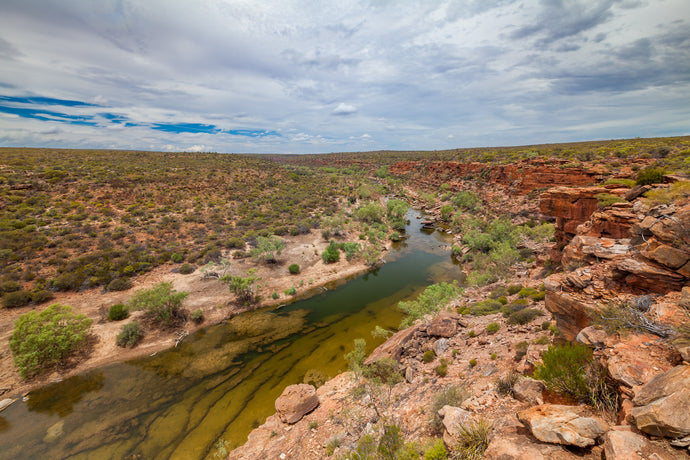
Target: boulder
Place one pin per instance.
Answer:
(570, 206)
(662, 404)
(5, 403)
(568, 425)
(649, 278)
(631, 365)
(441, 345)
(664, 254)
(596, 338)
(510, 440)
(685, 298)
(295, 402)
(529, 390)
(614, 223)
(636, 191)
(444, 325)
(590, 248)
(454, 418)
(571, 314)
(622, 444)
(394, 346)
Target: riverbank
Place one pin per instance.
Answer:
(207, 294)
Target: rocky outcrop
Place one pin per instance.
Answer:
(570, 312)
(644, 277)
(529, 390)
(633, 362)
(444, 325)
(589, 249)
(568, 425)
(454, 419)
(662, 404)
(615, 222)
(570, 206)
(394, 346)
(510, 440)
(622, 444)
(295, 402)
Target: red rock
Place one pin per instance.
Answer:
(568, 425)
(662, 404)
(623, 444)
(295, 402)
(570, 313)
(646, 277)
(394, 346)
(444, 325)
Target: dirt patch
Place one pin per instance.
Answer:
(207, 294)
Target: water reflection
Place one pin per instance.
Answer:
(61, 397)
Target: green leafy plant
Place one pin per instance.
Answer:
(293, 269)
(331, 254)
(16, 299)
(186, 269)
(505, 386)
(52, 336)
(162, 304)
(492, 328)
(473, 362)
(129, 335)
(649, 176)
(437, 451)
(197, 316)
(267, 248)
(431, 300)
(524, 316)
(607, 199)
(442, 368)
(242, 287)
(118, 312)
(563, 369)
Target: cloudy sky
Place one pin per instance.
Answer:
(300, 76)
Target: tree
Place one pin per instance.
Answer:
(331, 254)
(243, 288)
(50, 337)
(163, 305)
(267, 248)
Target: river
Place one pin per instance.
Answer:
(222, 381)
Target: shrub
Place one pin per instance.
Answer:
(563, 369)
(291, 291)
(9, 286)
(473, 440)
(243, 288)
(492, 328)
(493, 356)
(118, 312)
(275, 296)
(119, 284)
(505, 386)
(649, 176)
(432, 299)
(520, 350)
(607, 199)
(442, 369)
(539, 296)
(331, 254)
(293, 269)
(450, 396)
(514, 289)
(471, 334)
(267, 248)
(197, 316)
(129, 335)
(502, 300)
(473, 362)
(486, 307)
(437, 451)
(498, 292)
(429, 356)
(524, 316)
(16, 299)
(41, 295)
(176, 257)
(162, 304)
(526, 292)
(186, 269)
(46, 338)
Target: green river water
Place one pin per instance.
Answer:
(223, 380)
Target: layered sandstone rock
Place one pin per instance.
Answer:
(662, 404)
(295, 402)
(568, 425)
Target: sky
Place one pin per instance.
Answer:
(297, 76)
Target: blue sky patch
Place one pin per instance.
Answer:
(46, 101)
(47, 115)
(186, 128)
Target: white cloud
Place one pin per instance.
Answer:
(344, 109)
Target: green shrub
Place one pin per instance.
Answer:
(649, 176)
(486, 307)
(514, 289)
(331, 254)
(186, 269)
(524, 316)
(607, 199)
(429, 356)
(520, 350)
(498, 292)
(431, 300)
(526, 292)
(197, 316)
(471, 334)
(502, 300)
(118, 312)
(437, 451)
(41, 295)
(539, 296)
(505, 386)
(16, 299)
(473, 440)
(442, 368)
(391, 440)
(162, 304)
(119, 284)
(291, 291)
(267, 248)
(275, 296)
(42, 339)
(473, 362)
(9, 286)
(493, 356)
(625, 182)
(176, 257)
(545, 325)
(243, 288)
(129, 335)
(450, 396)
(293, 269)
(563, 369)
(492, 328)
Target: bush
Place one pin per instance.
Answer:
(186, 269)
(502, 300)
(429, 356)
(473, 362)
(16, 299)
(521, 350)
(118, 312)
(119, 284)
(176, 257)
(473, 440)
(129, 335)
(436, 452)
(331, 254)
(293, 269)
(42, 339)
(162, 304)
(514, 289)
(41, 295)
(649, 176)
(243, 288)
(442, 369)
(10, 286)
(563, 369)
(432, 299)
(291, 291)
(197, 316)
(267, 248)
(486, 307)
(524, 316)
(506, 386)
(450, 396)
(526, 292)
(607, 199)
(492, 328)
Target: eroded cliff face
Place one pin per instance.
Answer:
(629, 254)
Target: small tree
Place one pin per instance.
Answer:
(42, 339)
(331, 254)
(163, 305)
(243, 288)
(267, 248)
